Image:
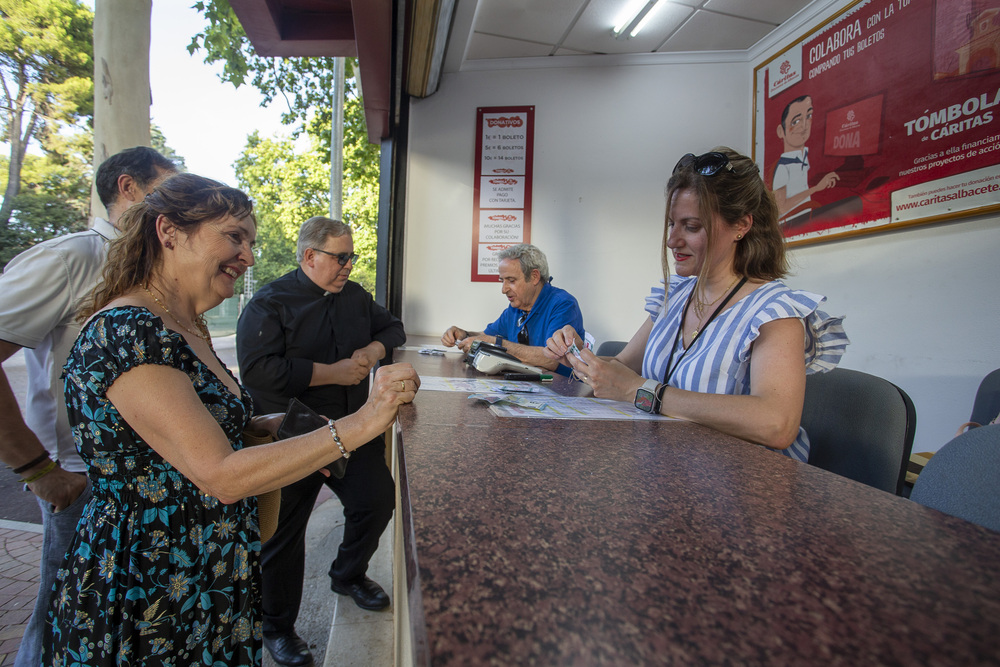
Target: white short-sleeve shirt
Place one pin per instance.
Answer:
(792, 173)
(41, 291)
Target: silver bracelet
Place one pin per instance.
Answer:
(336, 438)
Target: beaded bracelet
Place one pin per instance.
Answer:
(41, 473)
(336, 438)
(30, 464)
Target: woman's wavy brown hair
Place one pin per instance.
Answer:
(760, 254)
(188, 201)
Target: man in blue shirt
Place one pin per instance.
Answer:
(536, 310)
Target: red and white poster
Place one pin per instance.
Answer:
(886, 115)
(502, 198)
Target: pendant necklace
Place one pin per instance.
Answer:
(700, 306)
(730, 291)
(200, 322)
(671, 367)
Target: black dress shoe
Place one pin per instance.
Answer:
(366, 593)
(289, 649)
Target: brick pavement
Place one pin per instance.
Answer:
(20, 551)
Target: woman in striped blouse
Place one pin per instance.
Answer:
(724, 308)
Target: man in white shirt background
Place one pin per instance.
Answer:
(40, 293)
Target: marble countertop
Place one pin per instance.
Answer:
(597, 543)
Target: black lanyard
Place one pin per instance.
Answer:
(668, 372)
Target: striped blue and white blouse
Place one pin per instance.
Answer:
(718, 362)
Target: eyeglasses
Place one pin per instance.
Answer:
(341, 257)
(708, 164)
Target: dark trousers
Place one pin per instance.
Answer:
(368, 495)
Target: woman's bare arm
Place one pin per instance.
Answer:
(161, 405)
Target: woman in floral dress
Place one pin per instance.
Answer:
(164, 567)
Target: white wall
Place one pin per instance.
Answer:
(923, 311)
(605, 142)
(921, 304)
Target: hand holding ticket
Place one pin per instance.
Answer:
(563, 343)
(575, 351)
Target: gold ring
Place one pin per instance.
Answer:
(402, 385)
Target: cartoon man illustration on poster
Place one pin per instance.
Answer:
(791, 176)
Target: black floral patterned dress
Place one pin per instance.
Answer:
(158, 572)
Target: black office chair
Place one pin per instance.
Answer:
(860, 426)
(610, 348)
(987, 405)
(984, 410)
(963, 478)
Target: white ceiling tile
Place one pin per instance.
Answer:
(714, 32)
(489, 46)
(593, 32)
(533, 28)
(532, 20)
(571, 52)
(774, 12)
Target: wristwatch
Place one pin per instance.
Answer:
(647, 397)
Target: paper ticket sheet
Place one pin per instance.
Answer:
(577, 407)
(483, 385)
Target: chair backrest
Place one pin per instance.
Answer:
(987, 404)
(610, 348)
(860, 426)
(963, 478)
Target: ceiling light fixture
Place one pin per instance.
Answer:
(635, 18)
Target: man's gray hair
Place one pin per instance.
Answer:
(530, 257)
(314, 233)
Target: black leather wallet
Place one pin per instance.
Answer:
(299, 419)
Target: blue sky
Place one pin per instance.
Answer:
(205, 120)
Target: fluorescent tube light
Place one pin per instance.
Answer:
(635, 18)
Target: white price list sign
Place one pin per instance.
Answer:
(502, 199)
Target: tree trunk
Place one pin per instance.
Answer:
(121, 81)
(13, 187)
(18, 147)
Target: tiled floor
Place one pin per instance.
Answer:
(337, 630)
(20, 550)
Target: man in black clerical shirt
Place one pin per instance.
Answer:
(314, 335)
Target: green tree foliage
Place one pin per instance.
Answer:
(289, 178)
(290, 183)
(360, 202)
(54, 196)
(287, 185)
(159, 142)
(305, 84)
(46, 71)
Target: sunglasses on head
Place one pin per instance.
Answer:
(341, 257)
(708, 164)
